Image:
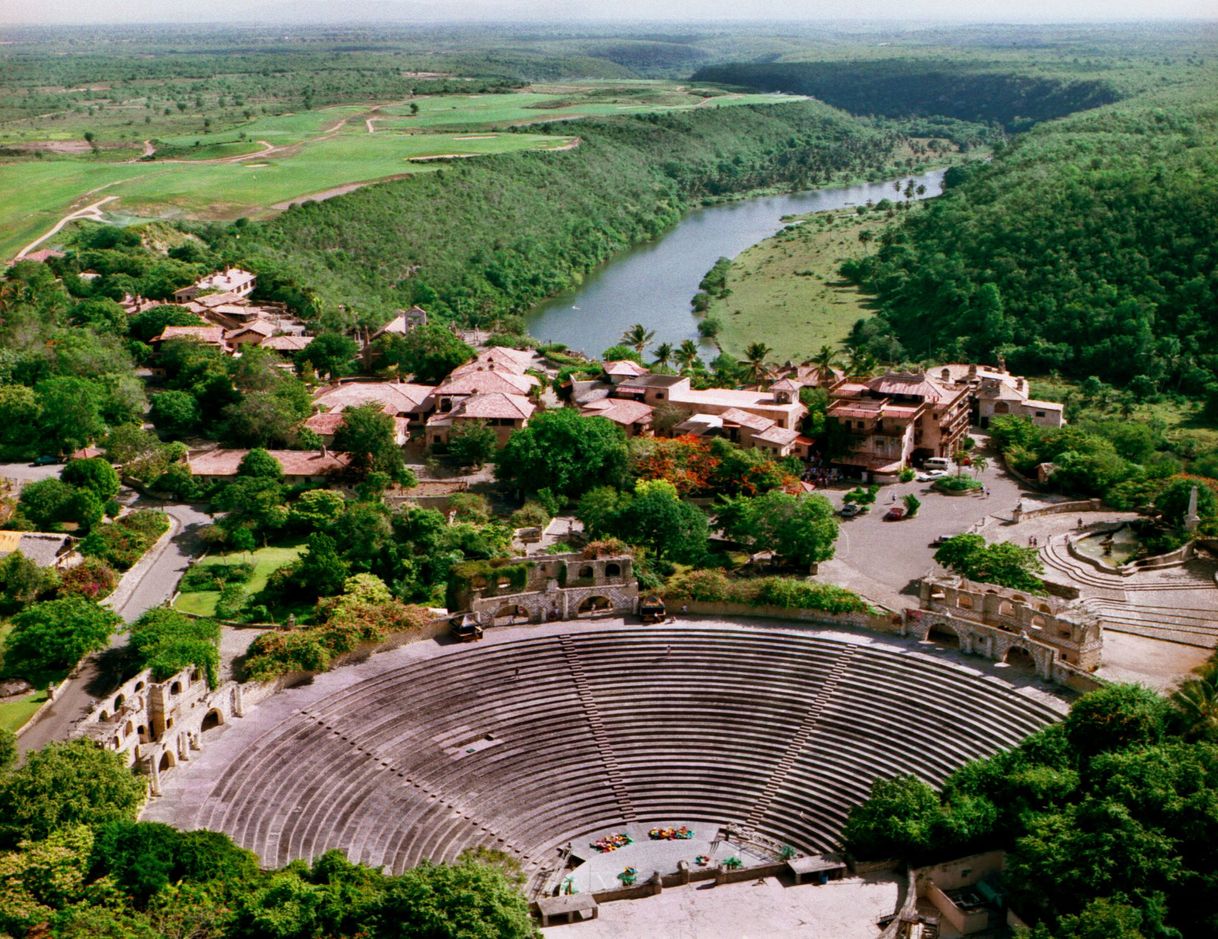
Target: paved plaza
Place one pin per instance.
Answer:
(755, 909)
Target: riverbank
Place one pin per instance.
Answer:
(654, 282)
(786, 290)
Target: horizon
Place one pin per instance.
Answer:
(558, 14)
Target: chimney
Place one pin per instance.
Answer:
(325, 451)
(1019, 383)
(972, 370)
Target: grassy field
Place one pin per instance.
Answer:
(265, 560)
(786, 290)
(258, 167)
(15, 713)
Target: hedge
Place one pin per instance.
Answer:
(790, 593)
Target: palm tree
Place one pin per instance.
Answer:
(664, 352)
(755, 355)
(980, 464)
(686, 355)
(859, 363)
(1196, 701)
(638, 336)
(826, 363)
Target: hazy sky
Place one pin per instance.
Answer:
(558, 11)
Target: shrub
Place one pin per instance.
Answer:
(203, 577)
(92, 579)
(125, 540)
(787, 592)
(167, 641)
(960, 483)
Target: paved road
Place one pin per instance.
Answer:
(25, 473)
(149, 584)
(879, 559)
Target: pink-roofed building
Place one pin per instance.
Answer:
(398, 398)
(634, 417)
(403, 322)
(287, 345)
(997, 392)
(783, 408)
(208, 335)
(326, 424)
(231, 280)
(298, 465)
(622, 369)
(503, 413)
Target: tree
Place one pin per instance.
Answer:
(151, 323)
(259, 464)
(1116, 717)
(1172, 502)
(71, 412)
(1196, 705)
(637, 337)
(8, 750)
(1005, 564)
(663, 354)
(331, 354)
(22, 582)
(826, 362)
(175, 413)
(912, 504)
(48, 639)
(429, 352)
(65, 784)
(47, 502)
(472, 443)
(254, 503)
(94, 474)
(367, 435)
(454, 901)
(564, 452)
(686, 355)
(321, 570)
(897, 819)
(801, 529)
(755, 355)
(620, 353)
(659, 520)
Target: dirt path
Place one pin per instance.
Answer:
(92, 211)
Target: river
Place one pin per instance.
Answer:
(653, 283)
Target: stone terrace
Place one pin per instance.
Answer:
(552, 732)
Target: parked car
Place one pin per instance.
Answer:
(937, 463)
(941, 539)
(849, 510)
(46, 460)
(931, 475)
(896, 513)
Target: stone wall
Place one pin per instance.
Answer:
(561, 586)
(881, 622)
(1058, 636)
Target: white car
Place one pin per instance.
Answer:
(931, 475)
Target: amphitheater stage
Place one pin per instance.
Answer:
(599, 871)
(540, 735)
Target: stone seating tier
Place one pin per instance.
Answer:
(573, 734)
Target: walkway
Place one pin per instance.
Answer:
(89, 211)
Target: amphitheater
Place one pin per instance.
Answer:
(543, 736)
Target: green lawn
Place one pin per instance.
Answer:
(787, 291)
(38, 193)
(265, 560)
(13, 714)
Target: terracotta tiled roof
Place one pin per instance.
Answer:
(624, 367)
(495, 405)
(294, 462)
(778, 435)
(287, 343)
(619, 410)
(209, 334)
(754, 422)
(911, 384)
(485, 381)
(402, 397)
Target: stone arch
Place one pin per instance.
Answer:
(613, 569)
(964, 601)
(945, 374)
(129, 729)
(142, 733)
(586, 572)
(1045, 608)
(213, 718)
(1019, 657)
(944, 635)
(1006, 608)
(594, 606)
(1019, 598)
(119, 702)
(175, 688)
(168, 760)
(510, 613)
(1001, 407)
(104, 715)
(139, 686)
(1038, 622)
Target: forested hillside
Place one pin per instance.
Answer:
(1089, 247)
(916, 88)
(495, 235)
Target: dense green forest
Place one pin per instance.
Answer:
(917, 88)
(1108, 818)
(496, 235)
(1087, 247)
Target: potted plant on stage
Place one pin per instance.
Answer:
(628, 876)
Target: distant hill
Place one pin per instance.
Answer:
(920, 88)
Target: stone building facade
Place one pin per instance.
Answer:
(1058, 636)
(557, 587)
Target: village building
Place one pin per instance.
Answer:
(503, 412)
(326, 424)
(622, 369)
(996, 392)
(896, 420)
(747, 430)
(232, 281)
(397, 398)
(46, 549)
(313, 466)
(403, 322)
(782, 406)
(634, 417)
(208, 335)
